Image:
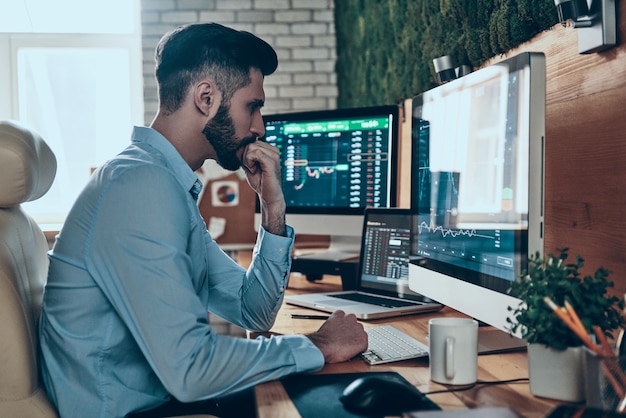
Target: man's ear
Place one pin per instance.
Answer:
(207, 98)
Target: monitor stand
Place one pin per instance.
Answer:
(340, 258)
(491, 340)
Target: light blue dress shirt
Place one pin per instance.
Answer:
(132, 276)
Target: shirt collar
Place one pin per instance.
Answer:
(184, 174)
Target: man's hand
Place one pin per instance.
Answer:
(340, 338)
(261, 163)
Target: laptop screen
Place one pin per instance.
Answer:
(385, 248)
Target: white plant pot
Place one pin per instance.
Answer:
(556, 374)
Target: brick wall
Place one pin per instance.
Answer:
(301, 31)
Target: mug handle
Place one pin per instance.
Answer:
(449, 358)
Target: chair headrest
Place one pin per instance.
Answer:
(27, 164)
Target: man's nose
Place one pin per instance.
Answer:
(258, 126)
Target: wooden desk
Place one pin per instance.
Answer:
(273, 402)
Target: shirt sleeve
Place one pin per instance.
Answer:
(135, 256)
(254, 302)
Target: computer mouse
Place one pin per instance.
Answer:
(383, 394)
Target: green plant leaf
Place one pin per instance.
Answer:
(562, 281)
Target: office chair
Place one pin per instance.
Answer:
(27, 169)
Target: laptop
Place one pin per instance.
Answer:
(382, 282)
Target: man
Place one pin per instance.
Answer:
(133, 272)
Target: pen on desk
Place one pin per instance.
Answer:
(298, 316)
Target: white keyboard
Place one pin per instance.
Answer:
(387, 344)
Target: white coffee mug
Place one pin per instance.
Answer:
(453, 350)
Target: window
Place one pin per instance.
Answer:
(73, 72)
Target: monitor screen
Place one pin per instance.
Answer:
(477, 186)
(334, 164)
(385, 251)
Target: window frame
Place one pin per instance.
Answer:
(10, 45)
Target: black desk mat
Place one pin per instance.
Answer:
(318, 395)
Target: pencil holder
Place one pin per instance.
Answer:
(605, 386)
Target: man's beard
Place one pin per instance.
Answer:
(220, 132)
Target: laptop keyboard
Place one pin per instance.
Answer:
(388, 343)
(374, 300)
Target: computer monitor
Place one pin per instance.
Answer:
(477, 187)
(335, 163)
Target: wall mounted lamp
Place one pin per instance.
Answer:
(445, 69)
(595, 20)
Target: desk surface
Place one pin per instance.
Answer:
(272, 400)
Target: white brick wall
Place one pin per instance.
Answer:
(301, 31)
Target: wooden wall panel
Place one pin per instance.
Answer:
(404, 155)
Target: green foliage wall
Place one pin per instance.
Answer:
(385, 48)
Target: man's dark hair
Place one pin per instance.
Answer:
(208, 50)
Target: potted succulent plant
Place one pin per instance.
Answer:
(553, 349)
